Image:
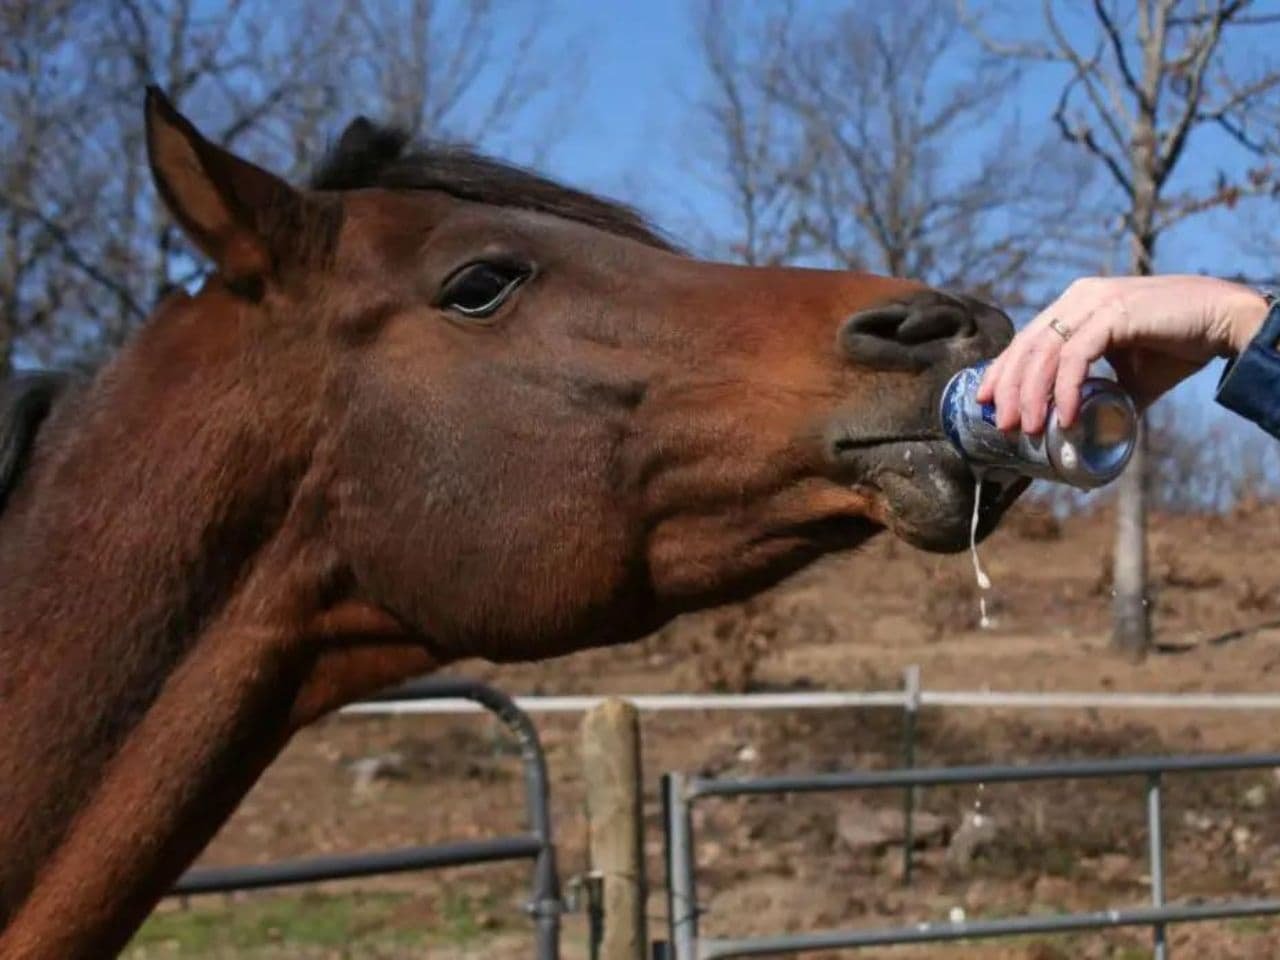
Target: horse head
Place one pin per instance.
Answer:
(542, 426)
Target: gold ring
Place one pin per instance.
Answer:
(1060, 328)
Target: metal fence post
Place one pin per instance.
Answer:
(1155, 833)
(594, 888)
(682, 905)
(545, 904)
(911, 706)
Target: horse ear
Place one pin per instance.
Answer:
(240, 215)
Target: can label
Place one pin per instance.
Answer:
(971, 427)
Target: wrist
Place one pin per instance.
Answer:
(1246, 313)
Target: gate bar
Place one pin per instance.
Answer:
(939, 776)
(537, 845)
(344, 867)
(717, 949)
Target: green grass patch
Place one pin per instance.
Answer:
(1132, 953)
(465, 918)
(266, 923)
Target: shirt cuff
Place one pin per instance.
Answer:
(1250, 386)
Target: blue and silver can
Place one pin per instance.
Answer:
(1090, 454)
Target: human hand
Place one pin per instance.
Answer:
(1155, 332)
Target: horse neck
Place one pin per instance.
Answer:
(144, 504)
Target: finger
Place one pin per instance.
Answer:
(1008, 411)
(1013, 369)
(1080, 351)
(1072, 369)
(1037, 384)
(990, 377)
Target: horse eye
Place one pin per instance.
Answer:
(479, 289)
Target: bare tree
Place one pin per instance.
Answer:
(753, 146)
(1151, 78)
(462, 70)
(87, 247)
(866, 140)
(36, 111)
(92, 245)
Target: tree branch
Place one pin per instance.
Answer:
(1199, 19)
(1170, 146)
(1241, 136)
(1084, 136)
(1015, 51)
(1086, 70)
(84, 265)
(1263, 85)
(1175, 211)
(1112, 31)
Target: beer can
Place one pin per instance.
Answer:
(1091, 453)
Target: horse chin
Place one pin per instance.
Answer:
(927, 491)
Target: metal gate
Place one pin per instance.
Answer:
(536, 844)
(680, 792)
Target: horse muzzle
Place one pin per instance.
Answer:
(891, 444)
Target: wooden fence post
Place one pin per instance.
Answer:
(615, 816)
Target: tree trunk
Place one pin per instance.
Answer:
(1130, 611)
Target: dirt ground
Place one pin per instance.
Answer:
(781, 864)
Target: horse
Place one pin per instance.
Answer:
(429, 406)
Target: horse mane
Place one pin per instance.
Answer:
(26, 399)
(371, 155)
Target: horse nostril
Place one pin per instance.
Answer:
(907, 336)
(940, 322)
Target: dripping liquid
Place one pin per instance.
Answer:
(984, 582)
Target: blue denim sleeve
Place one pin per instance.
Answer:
(1250, 386)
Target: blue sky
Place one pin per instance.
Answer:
(629, 132)
(628, 126)
(625, 125)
